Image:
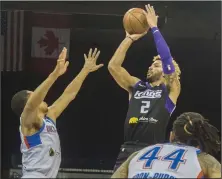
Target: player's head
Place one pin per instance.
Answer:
(193, 129)
(155, 71)
(20, 99)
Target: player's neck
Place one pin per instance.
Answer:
(156, 83)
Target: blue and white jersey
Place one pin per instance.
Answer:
(41, 152)
(166, 161)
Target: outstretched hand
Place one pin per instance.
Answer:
(151, 16)
(62, 64)
(90, 61)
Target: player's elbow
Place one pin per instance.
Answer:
(113, 67)
(114, 71)
(72, 97)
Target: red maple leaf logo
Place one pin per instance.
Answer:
(51, 42)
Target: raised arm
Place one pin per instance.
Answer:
(73, 88)
(121, 76)
(36, 98)
(172, 80)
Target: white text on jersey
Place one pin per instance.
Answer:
(148, 94)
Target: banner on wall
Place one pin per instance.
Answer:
(50, 33)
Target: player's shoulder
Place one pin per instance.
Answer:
(139, 83)
(206, 158)
(136, 81)
(209, 164)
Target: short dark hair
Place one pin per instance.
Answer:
(193, 129)
(18, 102)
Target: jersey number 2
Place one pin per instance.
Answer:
(175, 158)
(144, 108)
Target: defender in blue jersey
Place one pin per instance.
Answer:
(40, 144)
(193, 141)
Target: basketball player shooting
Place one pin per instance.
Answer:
(40, 143)
(151, 102)
(189, 155)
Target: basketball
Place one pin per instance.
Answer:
(134, 21)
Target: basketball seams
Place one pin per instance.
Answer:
(134, 21)
(137, 18)
(130, 24)
(127, 26)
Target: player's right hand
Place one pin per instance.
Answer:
(90, 61)
(62, 64)
(135, 37)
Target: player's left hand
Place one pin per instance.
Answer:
(151, 16)
(90, 61)
(62, 64)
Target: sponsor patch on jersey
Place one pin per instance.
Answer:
(135, 120)
(51, 152)
(152, 175)
(148, 94)
(146, 119)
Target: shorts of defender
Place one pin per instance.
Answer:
(126, 150)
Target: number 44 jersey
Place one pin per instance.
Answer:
(166, 161)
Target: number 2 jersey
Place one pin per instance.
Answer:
(148, 114)
(166, 161)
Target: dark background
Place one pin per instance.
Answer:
(91, 128)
